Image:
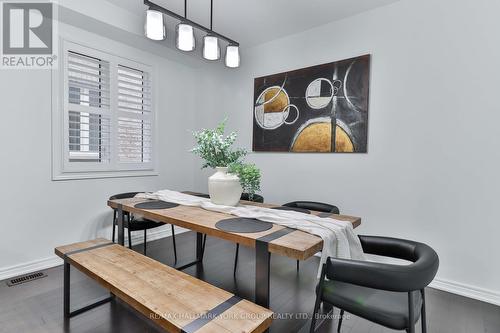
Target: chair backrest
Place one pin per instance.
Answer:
(317, 206)
(124, 195)
(254, 198)
(415, 276)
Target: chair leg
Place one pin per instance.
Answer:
(114, 224)
(340, 320)
(203, 243)
(175, 247)
(236, 259)
(298, 265)
(129, 238)
(314, 315)
(422, 312)
(145, 240)
(411, 328)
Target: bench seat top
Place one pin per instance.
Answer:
(174, 300)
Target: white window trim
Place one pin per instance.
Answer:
(60, 169)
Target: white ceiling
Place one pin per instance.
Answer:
(254, 22)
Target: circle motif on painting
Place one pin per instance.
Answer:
(316, 136)
(272, 108)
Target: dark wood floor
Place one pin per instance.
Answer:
(37, 306)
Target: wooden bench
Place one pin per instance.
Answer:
(174, 300)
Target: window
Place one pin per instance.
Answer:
(89, 113)
(134, 116)
(108, 115)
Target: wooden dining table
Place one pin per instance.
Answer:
(278, 240)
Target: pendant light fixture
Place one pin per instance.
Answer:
(185, 40)
(184, 31)
(154, 27)
(211, 47)
(232, 56)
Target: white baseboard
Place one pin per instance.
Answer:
(41, 264)
(480, 294)
(29, 267)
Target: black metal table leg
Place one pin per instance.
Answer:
(121, 226)
(199, 254)
(262, 273)
(262, 265)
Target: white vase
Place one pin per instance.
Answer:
(224, 188)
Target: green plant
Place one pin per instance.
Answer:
(216, 148)
(249, 176)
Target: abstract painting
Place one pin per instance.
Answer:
(321, 109)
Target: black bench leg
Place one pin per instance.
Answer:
(66, 302)
(66, 288)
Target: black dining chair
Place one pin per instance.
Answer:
(387, 294)
(312, 205)
(253, 198)
(133, 224)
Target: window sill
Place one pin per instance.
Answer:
(100, 175)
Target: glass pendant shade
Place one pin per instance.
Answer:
(185, 37)
(154, 27)
(211, 48)
(232, 56)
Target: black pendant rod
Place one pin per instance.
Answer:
(159, 8)
(211, 14)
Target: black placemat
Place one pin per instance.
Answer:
(296, 209)
(155, 204)
(243, 225)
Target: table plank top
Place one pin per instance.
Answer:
(297, 244)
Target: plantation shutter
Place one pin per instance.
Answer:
(107, 116)
(134, 116)
(89, 109)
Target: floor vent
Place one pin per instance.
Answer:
(25, 278)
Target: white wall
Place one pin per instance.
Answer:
(431, 173)
(37, 213)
